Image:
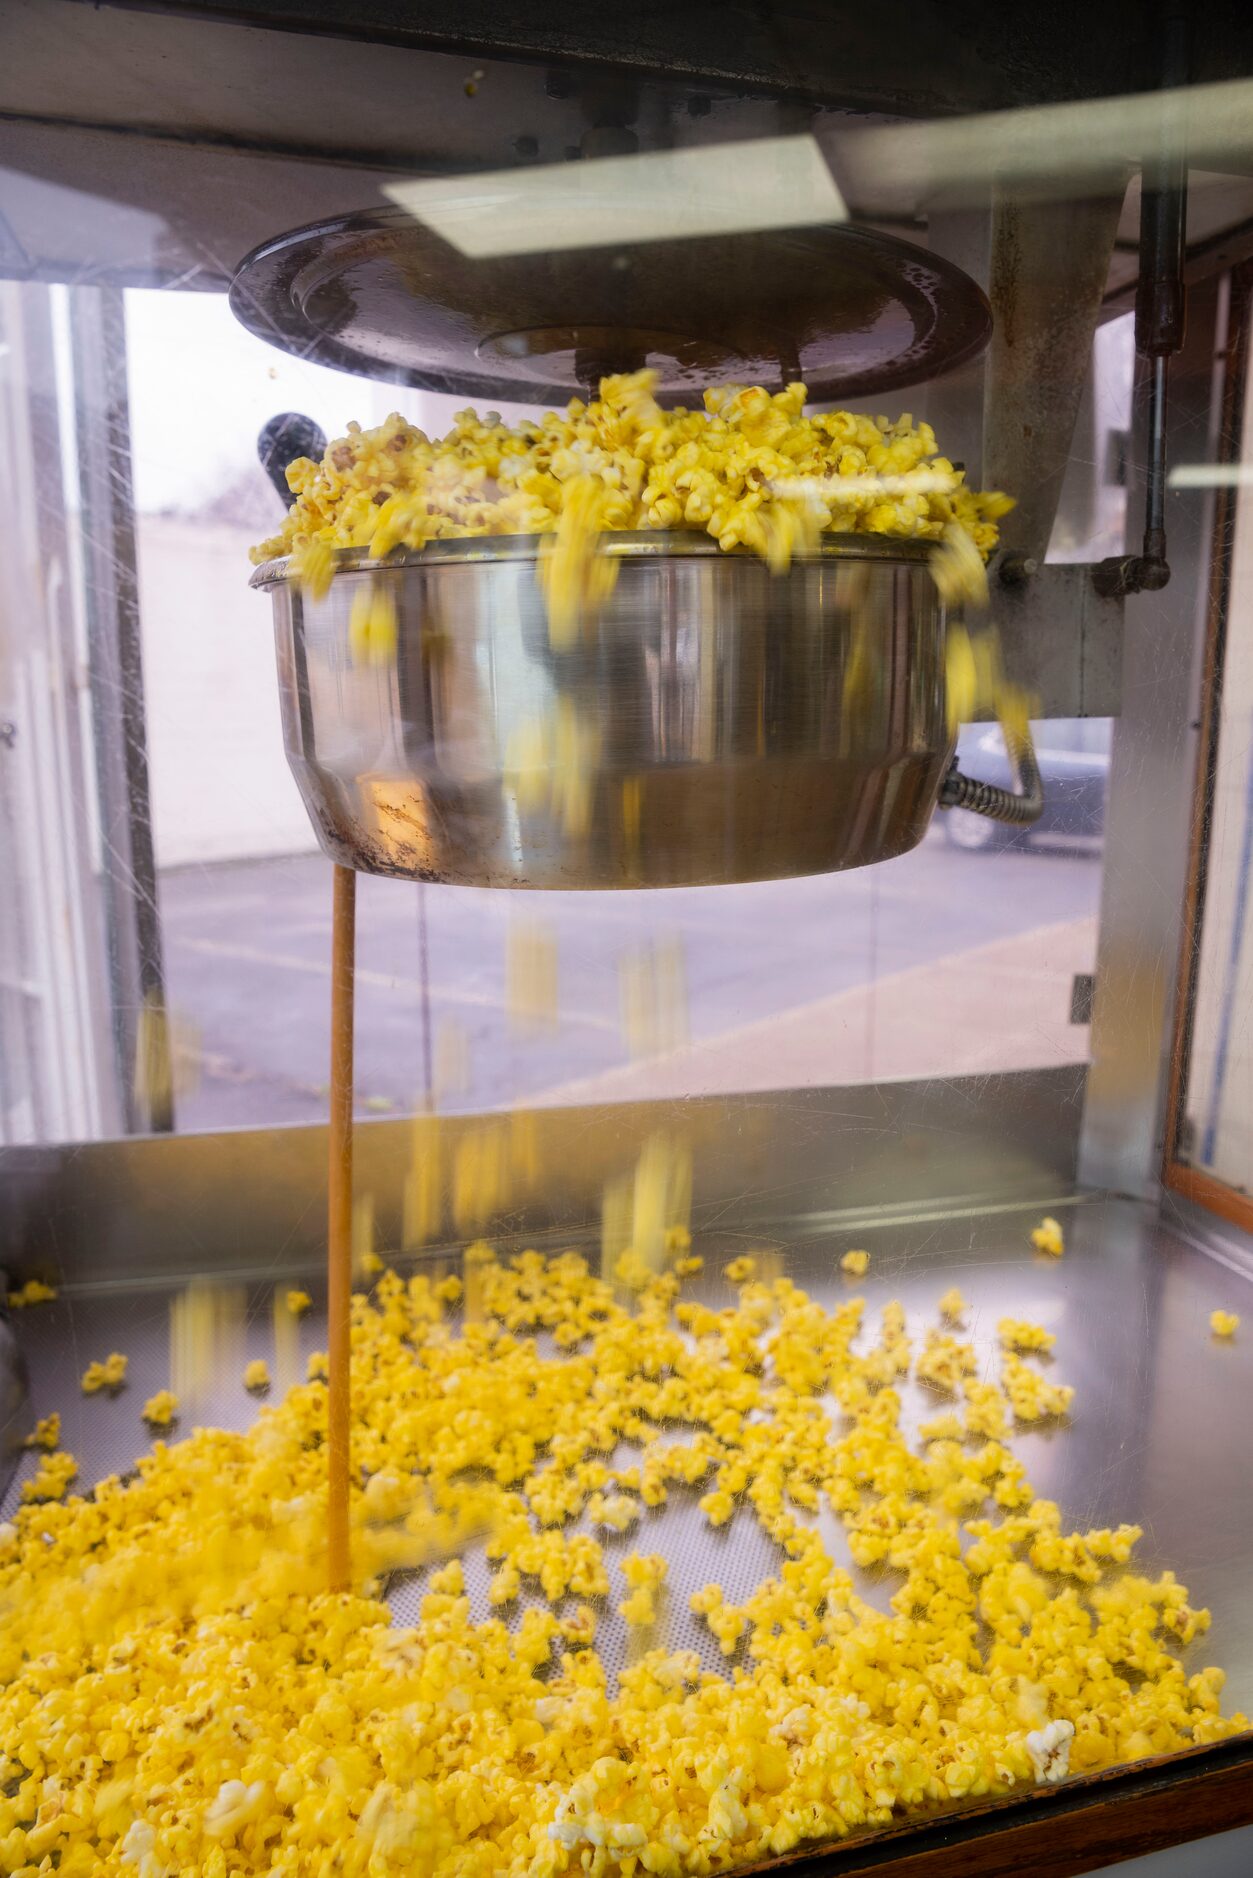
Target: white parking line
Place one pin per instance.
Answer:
(388, 981)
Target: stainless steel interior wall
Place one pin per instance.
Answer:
(784, 1164)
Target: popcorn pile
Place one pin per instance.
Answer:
(179, 1695)
(750, 469)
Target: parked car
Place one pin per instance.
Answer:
(1073, 754)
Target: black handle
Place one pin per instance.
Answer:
(281, 441)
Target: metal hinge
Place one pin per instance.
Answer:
(1082, 989)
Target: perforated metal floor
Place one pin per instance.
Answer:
(1157, 1434)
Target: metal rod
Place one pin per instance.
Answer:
(1161, 315)
(1154, 549)
(1161, 308)
(1161, 321)
(339, 1227)
(424, 981)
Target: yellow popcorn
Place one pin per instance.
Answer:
(110, 1375)
(313, 565)
(647, 1568)
(652, 995)
(179, 1693)
(160, 1409)
(957, 568)
(717, 1507)
(740, 1270)
(450, 1072)
(749, 469)
(531, 977)
(689, 1266)
(505, 1585)
(1082, 1555)
(32, 1292)
(580, 1627)
(1049, 1748)
(257, 1375)
(642, 1211)
(372, 625)
(953, 1305)
(1047, 1237)
(234, 1806)
(944, 1362)
(47, 1433)
(481, 1175)
(366, 1262)
(961, 675)
(727, 1623)
(206, 1339)
(616, 1512)
(574, 580)
(985, 1409)
(450, 1578)
(856, 1264)
(287, 1369)
(1030, 1396)
(638, 1609)
(630, 1270)
(1224, 1323)
(1017, 1335)
(53, 1476)
(645, 1574)
(298, 1302)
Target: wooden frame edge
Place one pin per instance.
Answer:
(1229, 1203)
(1057, 1832)
(1215, 1195)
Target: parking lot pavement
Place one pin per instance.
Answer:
(833, 978)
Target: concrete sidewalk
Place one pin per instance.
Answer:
(926, 965)
(1005, 1005)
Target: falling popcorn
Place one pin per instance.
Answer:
(531, 977)
(653, 997)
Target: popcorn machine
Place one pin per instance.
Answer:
(788, 1467)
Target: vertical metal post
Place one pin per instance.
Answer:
(1010, 416)
(110, 578)
(1147, 822)
(1161, 300)
(339, 1230)
(1049, 265)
